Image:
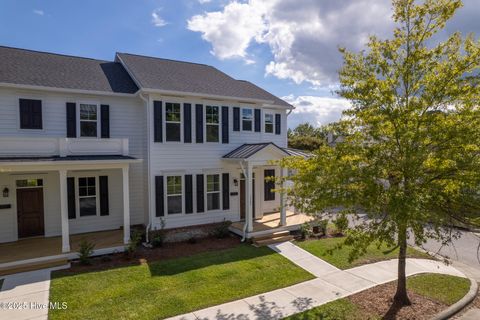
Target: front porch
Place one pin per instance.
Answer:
(271, 223)
(25, 252)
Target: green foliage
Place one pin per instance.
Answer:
(410, 158)
(341, 223)
(305, 230)
(221, 230)
(158, 236)
(342, 309)
(134, 242)
(306, 137)
(440, 287)
(85, 251)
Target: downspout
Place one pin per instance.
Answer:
(149, 180)
(245, 225)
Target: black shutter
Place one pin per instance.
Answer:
(269, 184)
(226, 191)
(103, 181)
(188, 193)
(159, 207)
(71, 120)
(236, 119)
(224, 124)
(71, 198)
(199, 123)
(187, 123)
(157, 121)
(105, 120)
(258, 117)
(200, 194)
(36, 114)
(278, 123)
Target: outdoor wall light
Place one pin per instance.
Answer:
(5, 192)
(235, 182)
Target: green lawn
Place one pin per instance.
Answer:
(166, 288)
(442, 288)
(339, 257)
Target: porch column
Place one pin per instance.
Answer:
(283, 207)
(64, 211)
(126, 205)
(249, 197)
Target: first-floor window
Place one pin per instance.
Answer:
(269, 123)
(87, 196)
(174, 194)
(269, 185)
(213, 123)
(213, 192)
(88, 120)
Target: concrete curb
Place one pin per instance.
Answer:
(462, 303)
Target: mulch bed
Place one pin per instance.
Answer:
(378, 301)
(144, 255)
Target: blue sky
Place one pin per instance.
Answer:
(288, 47)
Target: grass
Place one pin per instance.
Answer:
(442, 288)
(167, 288)
(339, 257)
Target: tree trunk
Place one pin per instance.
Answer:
(401, 296)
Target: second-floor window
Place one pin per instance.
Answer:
(247, 119)
(268, 123)
(212, 123)
(88, 120)
(173, 121)
(30, 114)
(174, 194)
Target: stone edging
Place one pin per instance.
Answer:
(462, 303)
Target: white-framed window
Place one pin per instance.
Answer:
(174, 195)
(213, 192)
(247, 119)
(212, 122)
(268, 122)
(88, 119)
(87, 196)
(173, 122)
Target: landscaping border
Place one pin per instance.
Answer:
(459, 305)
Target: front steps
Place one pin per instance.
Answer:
(31, 265)
(276, 237)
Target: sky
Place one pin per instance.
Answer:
(288, 47)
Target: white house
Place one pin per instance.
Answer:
(89, 145)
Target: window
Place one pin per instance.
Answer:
(247, 119)
(269, 185)
(268, 123)
(213, 192)
(30, 114)
(87, 196)
(29, 183)
(173, 120)
(174, 194)
(213, 123)
(88, 120)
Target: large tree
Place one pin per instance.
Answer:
(306, 137)
(411, 158)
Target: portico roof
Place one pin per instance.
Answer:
(248, 150)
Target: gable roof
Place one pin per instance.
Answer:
(247, 150)
(35, 68)
(192, 78)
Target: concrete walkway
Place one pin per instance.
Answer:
(330, 284)
(25, 295)
(472, 314)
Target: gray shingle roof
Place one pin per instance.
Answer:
(249, 149)
(171, 75)
(27, 67)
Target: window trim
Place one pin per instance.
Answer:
(166, 195)
(219, 124)
(266, 113)
(77, 197)
(252, 120)
(164, 111)
(265, 182)
(19, 125)
(220, 187)
(79, 121)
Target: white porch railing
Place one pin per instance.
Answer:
(63, 147)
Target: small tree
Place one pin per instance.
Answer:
(411, 158)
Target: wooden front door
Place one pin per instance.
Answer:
(30, 212)
(243, 199)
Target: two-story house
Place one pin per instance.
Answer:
(88, 145)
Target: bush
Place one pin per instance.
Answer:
(134, 242)
(158, 236)
(341, 223)
(305, 230)
(221, 230)
(320, 227)
(85, 251)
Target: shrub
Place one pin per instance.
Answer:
(341, 223)
(85, 251)
(322, 226)
(134, 242)
(158, 236)
(221, 230)
(305, 230)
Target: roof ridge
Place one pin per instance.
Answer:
(158, 58)
(55, 54)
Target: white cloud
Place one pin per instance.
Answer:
(39, 12)
(315, 110)
(204, 1)
(157, 20)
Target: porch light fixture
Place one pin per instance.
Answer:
(5, 192)
(235, 182)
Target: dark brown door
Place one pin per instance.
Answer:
(30, 212)
(243, 199)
